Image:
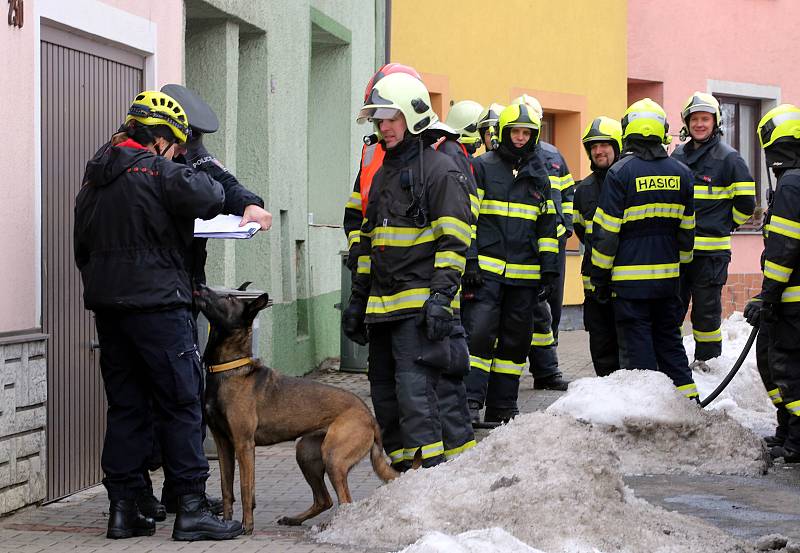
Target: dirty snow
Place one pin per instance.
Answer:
(492, 540)
(520, 480)
(745, 399)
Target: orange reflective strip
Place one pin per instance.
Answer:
(369, 166)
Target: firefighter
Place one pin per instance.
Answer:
(487, 126)
(547, 314)
(134, 217)
(371, 160)
(411, 254)
(724, 198)
(779, 309)
(463, 118)
(515, 253)
(602, 140)
(643, 231)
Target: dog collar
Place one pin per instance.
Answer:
(235, 364)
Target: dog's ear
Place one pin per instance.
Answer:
(258, 304)
(243, 286)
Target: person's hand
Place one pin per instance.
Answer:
(437, 316)
(752, 311)
(472, 275)
(256, 214)
(546, 285)
(602, 293)
(353, 324)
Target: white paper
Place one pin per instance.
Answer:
(224, 226)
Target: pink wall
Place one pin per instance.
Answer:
(685, 42)
(19, 248)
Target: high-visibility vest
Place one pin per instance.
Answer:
(371, 160)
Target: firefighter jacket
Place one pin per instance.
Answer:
(587, 194)
(371, 161)
(458, 153)
(562, 186)
(516, 231)
(643, 228)
(781, 257)
(724, 193)
(410, 249)
(134, 223)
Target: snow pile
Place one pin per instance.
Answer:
(656, 430)
(745, 398)
(492, 540)
(524, 477)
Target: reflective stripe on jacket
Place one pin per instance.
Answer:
(781, 259)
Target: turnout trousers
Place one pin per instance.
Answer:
(764, 371)
(701, 283)
(598, 320)
(499, 324)
(649, 338)
(151, 373)
(542, 356)
(784, 365)
(420, 408)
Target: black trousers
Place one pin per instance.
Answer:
(151, 372)
(543, 357)
(649, 338)
(556, 297)
(499, 324)
(598, 320)
(764, 371)
(420, 407)
(784, 364)
(701, 283)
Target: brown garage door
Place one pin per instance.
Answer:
(86, 88)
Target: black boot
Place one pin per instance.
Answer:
(195, 521)
(150, 507)
(125, 521)
(499, 415)
(554, 382)
(170, 503)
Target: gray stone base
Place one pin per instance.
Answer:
(23, 392)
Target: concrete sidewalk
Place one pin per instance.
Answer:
(745, 507)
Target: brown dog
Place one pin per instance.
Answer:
(248, 404)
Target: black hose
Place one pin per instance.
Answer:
(727, 380)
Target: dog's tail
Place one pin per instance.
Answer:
(383, 469)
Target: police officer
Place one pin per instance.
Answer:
(411, 255)
(724, 198)
(134, 220)
(515, 252)
(487, 126)
(602, 140)
(779, 313)
(643, 230)
(547, 314)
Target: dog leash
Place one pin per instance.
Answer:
(235, 364)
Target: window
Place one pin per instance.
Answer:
(739, 121)
(548, 130)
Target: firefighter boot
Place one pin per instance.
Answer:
(195, 521)
(782, 429)
(554, 382)
(125, 521)
(500, 415)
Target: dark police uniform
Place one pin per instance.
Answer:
(516, 244)
(598, 318)
(724, 198)
(402, 261)
(134, 221)
(643, 231)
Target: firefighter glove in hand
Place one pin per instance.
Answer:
(437, 316)
(353, 324)
(472, 275)
(602, 294)
(546, 285)
(752, 311)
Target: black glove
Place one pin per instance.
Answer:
(437, 316)
(472, 275)
(194, 146)
(602, 293)
(546, 285)
(353, 321)
(769, 312)
(752, 311)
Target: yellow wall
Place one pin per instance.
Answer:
(570, 54)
